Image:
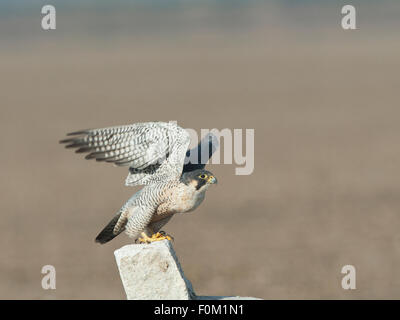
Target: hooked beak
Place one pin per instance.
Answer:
(212, 180)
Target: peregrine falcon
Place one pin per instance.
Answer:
(155, 153)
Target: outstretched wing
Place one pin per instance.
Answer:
(197, 157)
(154, 151)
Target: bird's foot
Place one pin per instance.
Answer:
(166, 235)
(144, 239)
(155, 237)
(160, 236)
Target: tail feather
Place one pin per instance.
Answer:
(110, 232)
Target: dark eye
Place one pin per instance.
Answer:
(202, 176)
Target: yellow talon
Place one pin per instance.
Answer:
(155, 237)
(159, 236)
(145, 239)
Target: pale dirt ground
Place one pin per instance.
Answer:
(325, 191)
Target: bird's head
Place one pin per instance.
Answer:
(200, 179)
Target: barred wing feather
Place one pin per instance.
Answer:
(152, 150)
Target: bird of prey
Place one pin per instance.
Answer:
(155, 153)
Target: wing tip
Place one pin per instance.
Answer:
(80, 132)
(75, 133)
(65, 140)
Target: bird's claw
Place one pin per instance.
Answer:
(159, 236)
(167, 236)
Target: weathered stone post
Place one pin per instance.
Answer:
(153, 272)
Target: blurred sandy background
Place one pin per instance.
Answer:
(324, 104)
